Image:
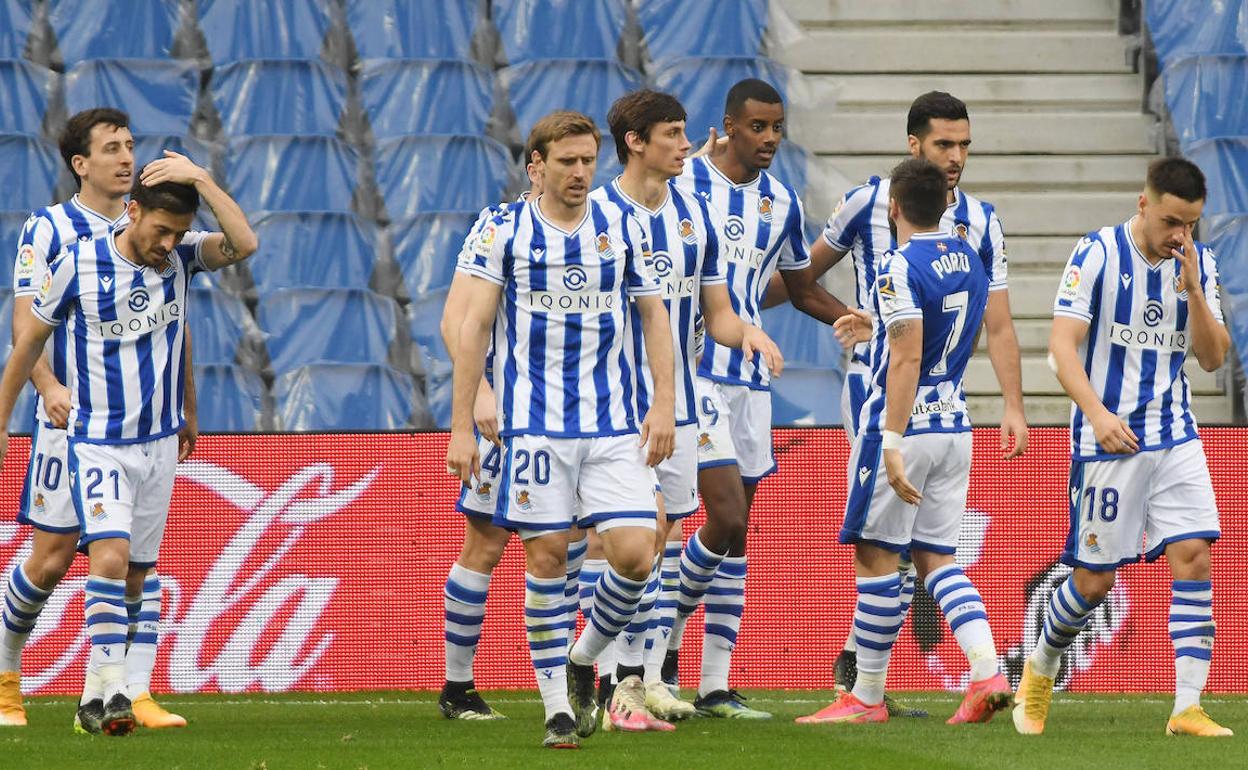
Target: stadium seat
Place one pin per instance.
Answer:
(339, 325)
(438, 387)
(291, 173)
(1228, 236)
(1225, 163)
(1205, 97)
(403, 97)
(15, 19)
(24, 89)
(425, 248)
(1182, 28)
(160, 96)
(274, 29)
(724, 28)
(559, 29)
(702, 83)
(805, 396)
(323, 396)
(219, 323)
(425, 320)
(150, 147)
(28, 171)
(400, 29)
(114, 29)
(313, 250)
(23, 417)
(229, 398)
(256, 98)
(802, 340)
(440, 173)
(589, 86)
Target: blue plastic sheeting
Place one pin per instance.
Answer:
(1228, 236)
(291, 173)
(24, 89)
(14, 27)
(1225, 163)
(440, 173)
(559, 29)
(158, 95)
(425, 314)
(24, 412)
(114, 29)
(230, 398)
(426, 246)
(150, 147)
(339, 325)
(218, 323)
(723, 28)
(400, 29)
(272, 29)
(257, 98)
(23, 418)
(344, 397)
(807, 397)
(791, 166)
(313, 250)
(403, 98)
(11, 224)
(1205, 97)
(609, 166)
(701, 84)
(590, 86)
(1182, 27)
(803, 341)
(28, 169)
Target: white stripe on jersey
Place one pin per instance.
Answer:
(124, 330)
(1137, 339)
(859, 225)
(685, 243)
(561, 359)
(763, 228)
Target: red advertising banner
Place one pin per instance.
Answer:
(316, 562)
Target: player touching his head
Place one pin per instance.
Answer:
(1134, 299)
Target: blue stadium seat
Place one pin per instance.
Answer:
(400, 29)
(1228, 235)
(150, 147)
(805, 396)
(425, 247)
(440, 173)
(1183, 28)
(279, 97)
(15, 22)
(23, 418)
(229, 398)
(218, 324)
(589, 86)
(338, 325)
(701, 84)
(24, 89)
(425, 320)
(403, 97)
(802, 340)
(291, 173)
(325, 396)
(558, 29)
(724, 28)
(438, 391)
(114, 29)
(28, 170)
(1225, 163)
(326, 251)
(1205, 96)
(273, 29)
(159, 95)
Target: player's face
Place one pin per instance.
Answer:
(155, 233)
(755, 134)
(947, 144)
(667, 149)
(569, 168)
(109, 168)
(1167, 221)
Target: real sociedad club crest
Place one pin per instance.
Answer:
(1179, 291)
(962, 230)
(764, 209)
(604, 246)
(686, 231)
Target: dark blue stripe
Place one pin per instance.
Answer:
(954, 625)
(102, 639)
(460, 619)
(461, 640)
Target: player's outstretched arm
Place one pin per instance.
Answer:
(27, 348)
(55, 394)
(480, 304)
(822, 259)
(809, 297)
(1006, 361)
(658, 430)
(1112, 433)
(905, 353)
(730, 330)
(1210, 339)
(236, 241)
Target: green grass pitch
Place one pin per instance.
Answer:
(392, 730)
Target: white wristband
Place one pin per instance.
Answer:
(891, 439)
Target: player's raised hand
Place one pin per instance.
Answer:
(1114, 435)
(713, 146)
(853, 327)
(895, 466)
(463, 460)
(1013, 430)
(174, 167)
(1189, 264)
(658, 434)
(755, 340)
(485, 414)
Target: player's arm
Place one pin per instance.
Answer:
(1112, 433)
(1210, 339)
(236, 241)
(27, 350)
(809, 297)
(1006, 361)
(905, 353)
(485, 410)
(190, 404)
(730, 330)
(55, 394)
(658, 430)
(481, 299)
(822, 259)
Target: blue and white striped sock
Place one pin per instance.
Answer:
(591, 573)
(464, 603)
(908, 577)
(963, 609)
(631, 644)
(877, 619)
(664, 611)
(572, 583)
(104, 612)
(144, 637)
(1191, 633)
(545, 622)
(23, 601)
(698, 565)
(1067, 615)
(724, 604)
(615, 602)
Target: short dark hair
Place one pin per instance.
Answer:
(1179, 177)
(639, 112)
(178, 199)
(920, 189)
(933, 105)
(750, 88)
(559, 125)
(75, 138)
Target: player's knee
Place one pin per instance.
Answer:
(46, 569)
(635, 565)
(1093, 585)
(483, 550)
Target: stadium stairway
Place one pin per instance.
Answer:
(1061, 141)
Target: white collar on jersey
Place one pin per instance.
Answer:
(933, 235)
(744, 185)
(77, 201)
(957, 198)
(615, 185)
(534, 204)
(1136, 250)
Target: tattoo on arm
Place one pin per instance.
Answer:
(229, 251)
(900, 329)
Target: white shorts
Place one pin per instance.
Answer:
(853, 396)
(123, 490)
(734, 427)
(549, 484)
(1136, 506)
(46, 503)
(480, 501)
(938, 465)
(678, 474)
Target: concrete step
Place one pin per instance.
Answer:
(1042, 254)
(1033, 334)
(1032, 293)
(1039, 379)
(985, 175)
(990, 92)
(1061, 213)
(1016, 11)
(1055, 410)
(927, 50)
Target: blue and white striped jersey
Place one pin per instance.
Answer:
(685, 245)
(937, 278)
(124, 330)
(763, 228)
(859, 225)
(48, 232)
(1137, 338)
(561, 362)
